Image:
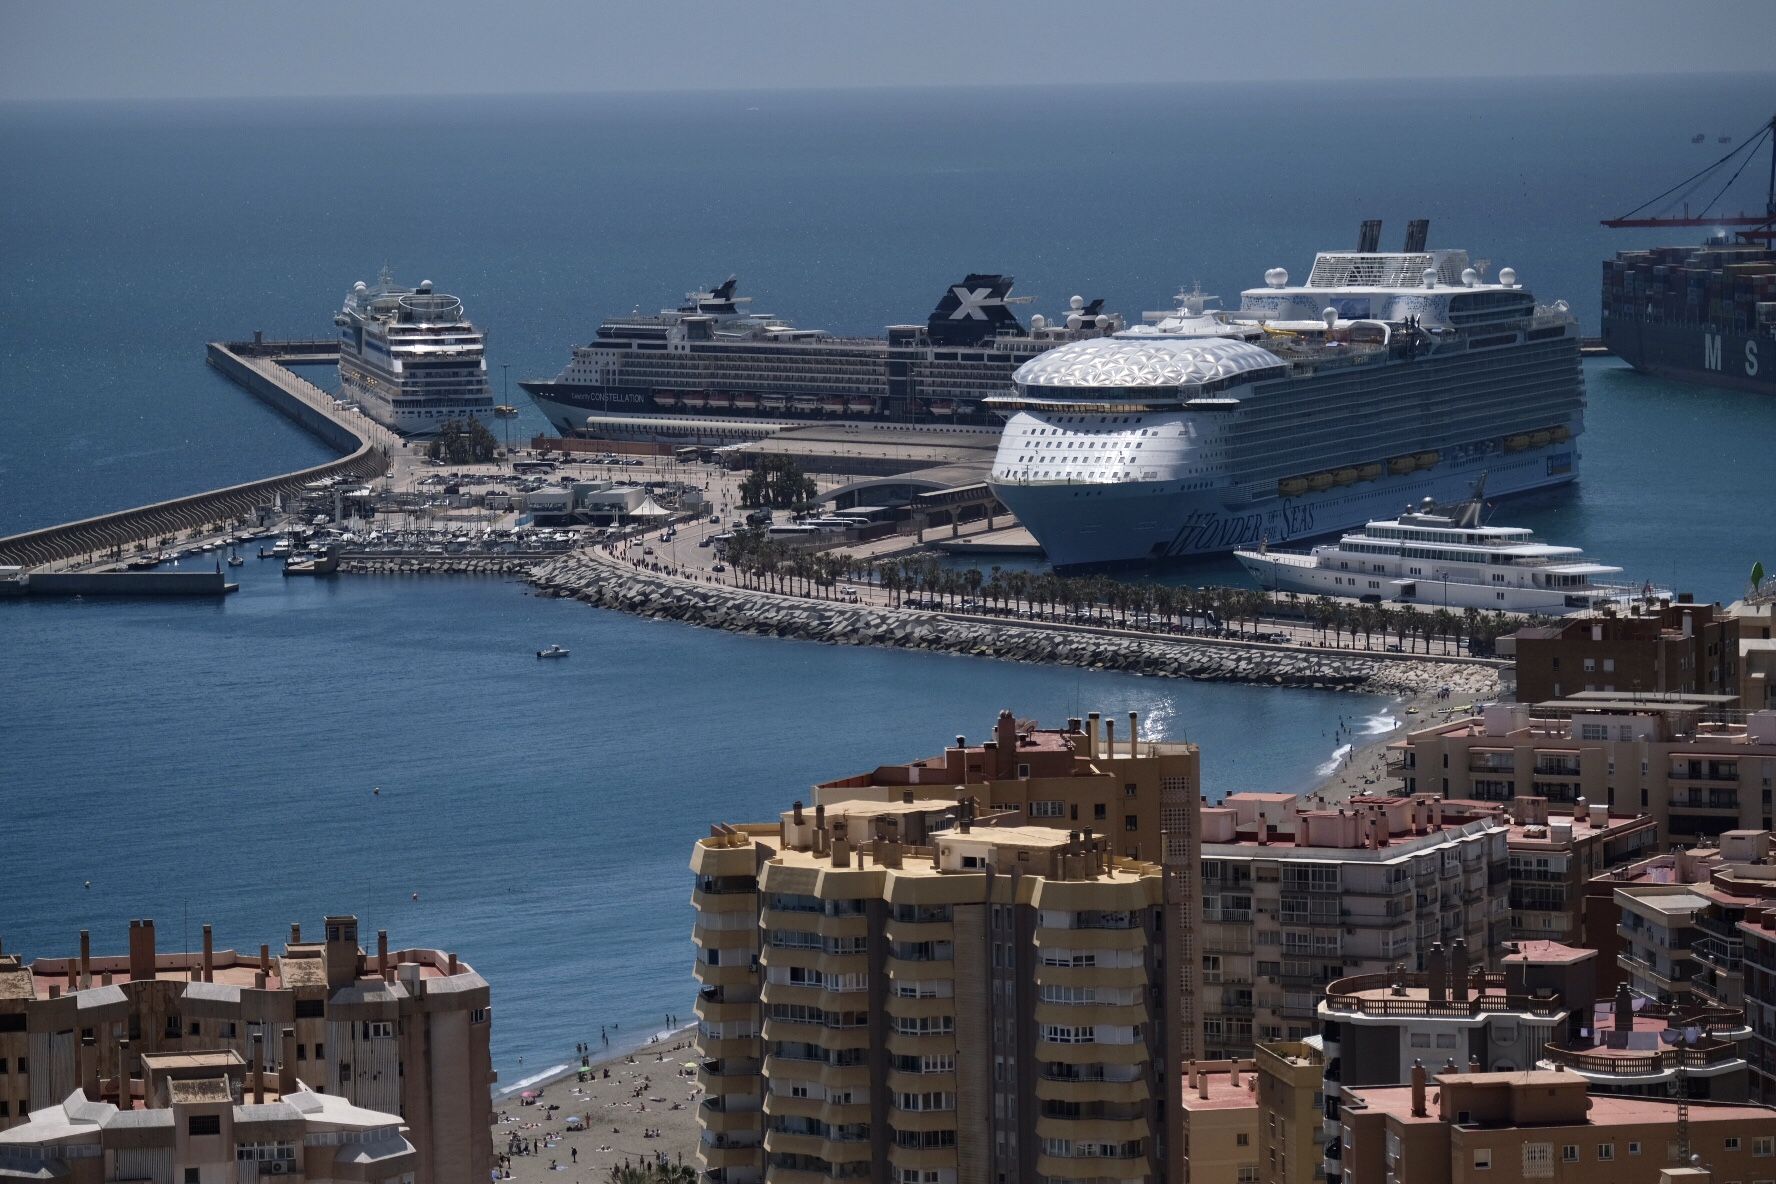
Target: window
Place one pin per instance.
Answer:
(1482, 1159)
(1569, 1153)
(320, 1051)
(1538, 1161)
(479, 1015)
(1733, 1143)
(1100, 811)
(1634, 1149)
(1763, 1145)
(1130, 823)
(1046, 810)
(1242, 1139)
(1128, 790)
(191, 1176)
(378, 1029)
(1024, 771)
(1606, 1152)
(4, 1107)
(204, 1124)
(302, 1052)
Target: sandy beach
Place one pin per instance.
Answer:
(1362, 768)
(637, 1106)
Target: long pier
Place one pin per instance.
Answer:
(258, 367)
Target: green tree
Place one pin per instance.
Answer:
(463, 442)
(778, 483)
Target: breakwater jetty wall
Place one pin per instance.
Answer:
(607, 582)
(119, 583)
(366, 444)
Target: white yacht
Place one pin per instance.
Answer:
(410, 358)
(1445, 558)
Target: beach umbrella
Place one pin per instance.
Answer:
(530, 1093)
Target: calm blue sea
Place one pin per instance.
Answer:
(216, 762)
(219, 758)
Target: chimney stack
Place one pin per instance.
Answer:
(258, 1068)
(1263, 829)
(841, 851)
(296, 927)
(123, 1075)
(1624, 1009)
(89, 1068)
(209, 955)
(383, 969)
(1418, 1089)
(264, 958)
(1202, 1084)
(86, 951)
(1091, 733)
(141, 949)
(452, 970)
(1458, 970)
(1109, 737)
(287, 1063)
(1233, 1074)
(1134, 731)
(1437, 973)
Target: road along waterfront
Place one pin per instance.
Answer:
(598, 576)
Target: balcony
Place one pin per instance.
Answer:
(1610, 1064)
(1372, 994)
(1715, 771)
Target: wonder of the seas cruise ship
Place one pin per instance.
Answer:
(1446, 557)
(1387, 378)
(713, 372)
(410, 358)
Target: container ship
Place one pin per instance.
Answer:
(410, 357)
(711, 371)
(1707, 313)
(1387, 378)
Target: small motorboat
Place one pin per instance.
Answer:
(553, 651)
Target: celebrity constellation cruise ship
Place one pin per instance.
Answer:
(1385, 379)
(1445, 557)
(410, 358)
(712, 372)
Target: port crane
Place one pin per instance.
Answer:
(1748, 226)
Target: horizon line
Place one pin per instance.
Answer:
(865, 88)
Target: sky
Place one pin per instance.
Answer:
(155, 49)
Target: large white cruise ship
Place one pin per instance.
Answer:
(410, 358)
(1385, 379)
(1445, 557)
(711, 371)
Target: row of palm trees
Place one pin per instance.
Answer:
(760, 562)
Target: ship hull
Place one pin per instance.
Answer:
(614, 414)
(1284, 573)
(1694, 352)
(1095, 525)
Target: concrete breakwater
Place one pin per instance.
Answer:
(609, 583)
(369, 447)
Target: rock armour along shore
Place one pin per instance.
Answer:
(609, 583)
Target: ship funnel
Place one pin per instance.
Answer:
(1418, 232)
(1369, 237)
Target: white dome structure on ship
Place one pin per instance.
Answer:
(1126, 362)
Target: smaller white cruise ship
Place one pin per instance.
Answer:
(410, 358)
(1443, 557)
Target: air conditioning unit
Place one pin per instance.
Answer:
(278, 1167)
